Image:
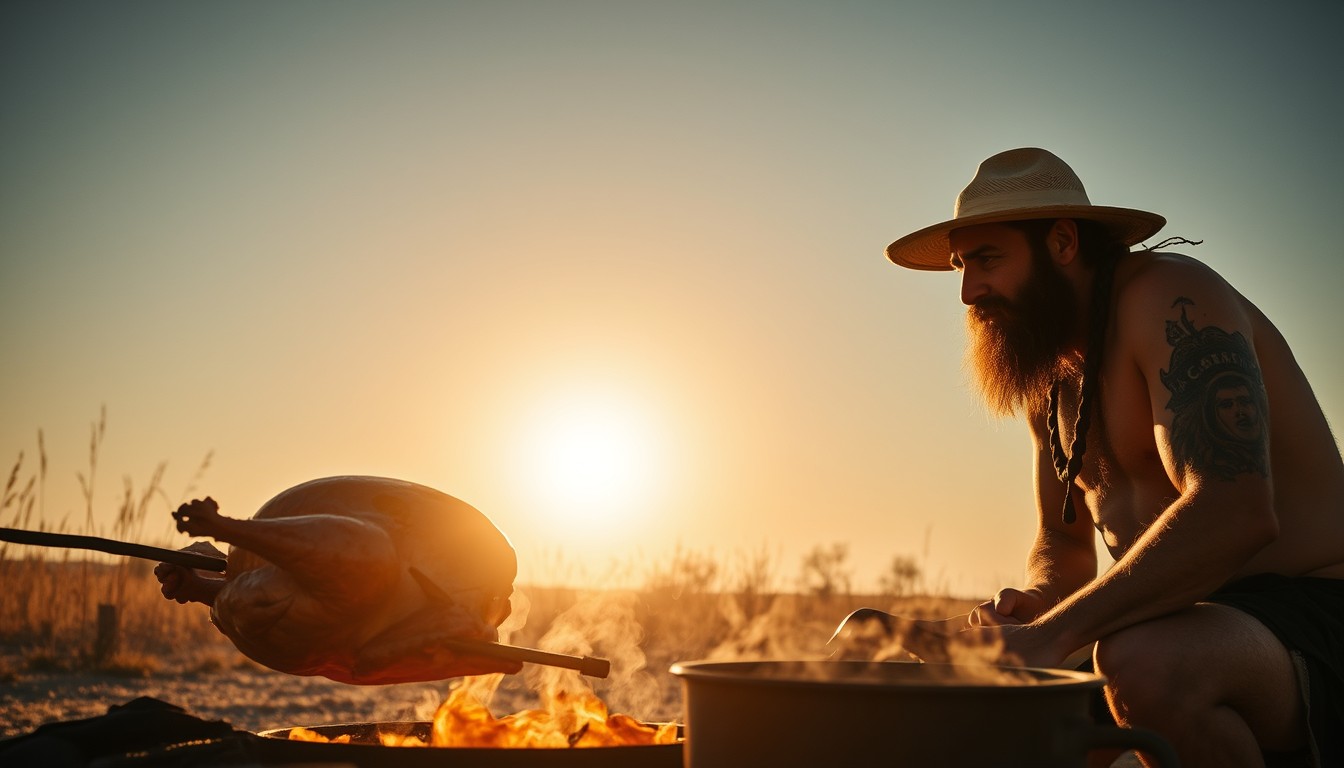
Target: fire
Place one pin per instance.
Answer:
(303, 734)
(569, 720)
(570, 713)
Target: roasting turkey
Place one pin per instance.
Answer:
(353, 578)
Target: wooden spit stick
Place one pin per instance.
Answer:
(114, 547)
(585, 665)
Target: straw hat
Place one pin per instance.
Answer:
(1012, 186)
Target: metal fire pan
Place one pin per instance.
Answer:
(365, 751)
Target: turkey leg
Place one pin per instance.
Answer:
(320, 552)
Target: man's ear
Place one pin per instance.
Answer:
(1062, 240)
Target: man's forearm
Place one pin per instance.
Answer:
(1193, 548)
(1059, 565)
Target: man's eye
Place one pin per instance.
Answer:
(984, 260)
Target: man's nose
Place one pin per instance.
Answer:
(973, 288)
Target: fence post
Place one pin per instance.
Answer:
(108, 633)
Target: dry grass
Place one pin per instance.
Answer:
(43, 619)
(48, 613)
(51, 598)
(690, 606)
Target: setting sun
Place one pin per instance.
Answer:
(590, 459)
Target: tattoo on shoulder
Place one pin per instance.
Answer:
(1220, 422)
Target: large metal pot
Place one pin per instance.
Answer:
(858, 713)
(365, 751)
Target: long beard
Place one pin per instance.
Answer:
(1013, 345)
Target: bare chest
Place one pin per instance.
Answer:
(1123, 480)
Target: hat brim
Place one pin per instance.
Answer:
(929, 249)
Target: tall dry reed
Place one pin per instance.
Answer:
(691, 604)
(49, 597)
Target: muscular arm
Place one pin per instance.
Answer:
(1190, 338)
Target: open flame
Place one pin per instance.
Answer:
(568, 720)
(571, 714)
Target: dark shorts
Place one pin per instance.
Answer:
(1307, 616)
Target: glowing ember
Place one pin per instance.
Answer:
(570, 720)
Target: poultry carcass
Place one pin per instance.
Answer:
(353, 578)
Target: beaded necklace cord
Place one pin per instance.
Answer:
(1069, 464)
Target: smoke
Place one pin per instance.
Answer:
(777, 633)
(602, 624)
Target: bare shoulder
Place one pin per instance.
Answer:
(1150, 287)
(1151, 276)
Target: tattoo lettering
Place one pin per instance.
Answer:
(1220, 423)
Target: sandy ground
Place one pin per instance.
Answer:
(250, 700)
(248, 697)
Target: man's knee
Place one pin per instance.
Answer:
(1135, 651)
(1211, 669)
(1143, 670)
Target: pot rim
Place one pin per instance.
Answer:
(821, 673)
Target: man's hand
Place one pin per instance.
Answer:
(1009, 606)
(1026, 645)
(189, 585)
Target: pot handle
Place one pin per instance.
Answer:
(1142, 739)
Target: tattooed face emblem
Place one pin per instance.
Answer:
(1217, 400)
(1236, 411)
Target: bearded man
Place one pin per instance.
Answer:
(1221, 623)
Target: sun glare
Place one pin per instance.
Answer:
(590, 460)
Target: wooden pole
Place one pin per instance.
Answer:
(109, 634)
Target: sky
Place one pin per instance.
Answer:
(611, 272)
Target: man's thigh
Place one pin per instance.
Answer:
(1209, 656)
